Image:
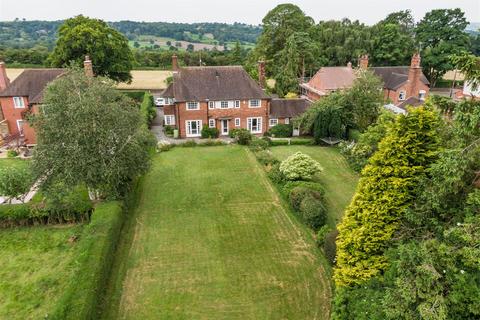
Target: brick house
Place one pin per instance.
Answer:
(25, 95)
(282, 111)
(223, 97)
(402, 85)
(22, 96)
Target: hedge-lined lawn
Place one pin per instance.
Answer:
(35, 267)
(213, 241)
(339, 180)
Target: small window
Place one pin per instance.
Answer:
(18, 102)
(193, 106)
(422, 94)
(254, 103)
(169, 120)
(211, 123)
(287, 120)
(237, 122)
(237, 104)
(20, 126)
(402, 95)
(224, 104)
(211, 104)
(273, 122)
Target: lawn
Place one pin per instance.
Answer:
(12, 162)
(212, 240)
(339, 180)
(36, 264)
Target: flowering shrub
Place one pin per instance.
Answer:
(299, 166)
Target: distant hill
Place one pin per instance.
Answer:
(473, 27)
(27, 34)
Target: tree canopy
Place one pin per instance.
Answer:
(107, 48)
(89, 134)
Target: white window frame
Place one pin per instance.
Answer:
(422, 94)
(188, 128)
(211, 104)
(237, 104)
(287, 120)
(254, 103)
(190, 105)
(18, 103)
(211, 123)
(402, 95)
(224, 104)
(237, 122)
(169, 119)
(272, 122)
(250, 124)
(20, 129)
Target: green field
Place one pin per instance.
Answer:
(35, 267)
(13, 162)
(339, 180)
(210, 239)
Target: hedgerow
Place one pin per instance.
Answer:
(96, 252)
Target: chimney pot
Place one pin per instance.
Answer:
(363, 61)
(88, 67)
(175, 63)
(4, 81)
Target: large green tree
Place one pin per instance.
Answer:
(89, 133)
(278, 25)
(384, 192)
(440, 34)
(107, 48)
(392, 46)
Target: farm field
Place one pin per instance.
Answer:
(210, 239)
(36, 265)
(339, 180)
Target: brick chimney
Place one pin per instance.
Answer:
(175, 63)
(88, 67)
(363, 62)
(4, 81)
(262, 81)
(414, 73)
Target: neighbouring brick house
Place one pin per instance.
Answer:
(223, 97)
(284, 110)
(402, 85)
(22, 96)
(25, 95)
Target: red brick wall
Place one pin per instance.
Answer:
(393, 95)
(204, 114)
(13, 114)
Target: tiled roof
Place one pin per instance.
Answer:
(215, 83)
(394, 77)
(332, 78)
(288, 108)
(31, 83)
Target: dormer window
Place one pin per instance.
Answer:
(18, 102)
(402, 95)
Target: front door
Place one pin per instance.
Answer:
(224, 127)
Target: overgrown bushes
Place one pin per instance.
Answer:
(281, 130)
(96, 252)
(208, 132)
(73, 207)
(241, 136)
(305, 197)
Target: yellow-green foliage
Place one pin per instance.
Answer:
(384, 191)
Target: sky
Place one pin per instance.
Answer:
(246, 11)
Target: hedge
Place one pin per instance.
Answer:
(296, 141)
(138, 96)
(76, 208)
(148, 109)
(97, 246)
